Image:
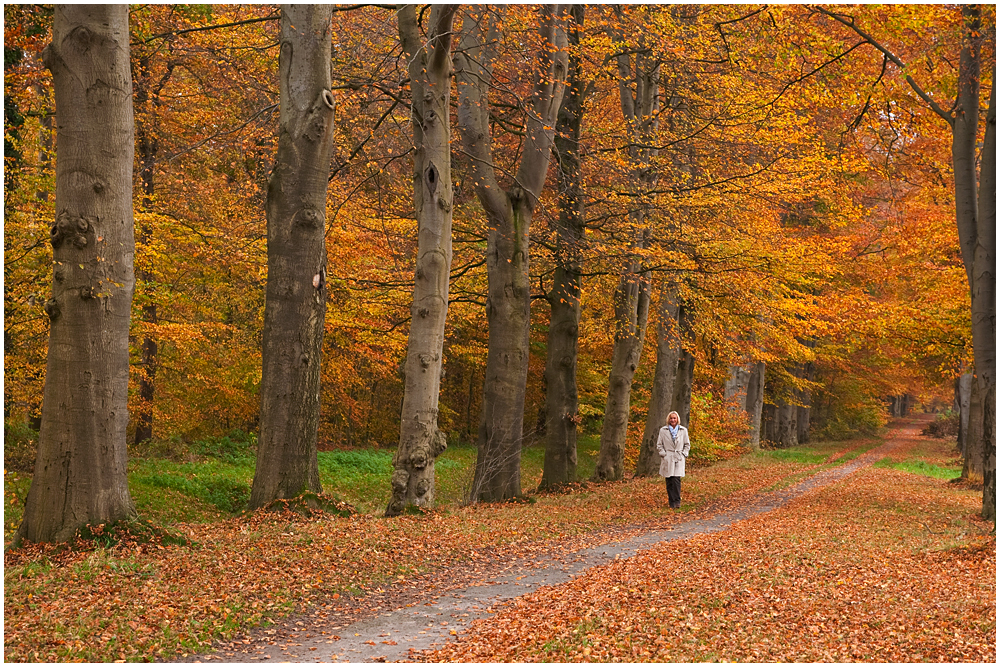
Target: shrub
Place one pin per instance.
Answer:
(20, 443)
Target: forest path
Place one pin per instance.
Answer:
(397, 623)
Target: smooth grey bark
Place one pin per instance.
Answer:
(639, 95)
(974, 217)
(972, 462)
(631, 316)
(963, 396)
(735, 387)
(755, 402)
(295, 303)
(984, 319)
(509, 212)
(668, 350)
(780, 423)
(420, 440)
(803, 396)
(681, 400)
(561, 397)
(80, 466)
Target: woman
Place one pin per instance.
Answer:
(673, 445)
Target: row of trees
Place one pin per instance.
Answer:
(749, 184)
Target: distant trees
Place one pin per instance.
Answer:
(426, 256)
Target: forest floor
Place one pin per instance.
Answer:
(859, 553)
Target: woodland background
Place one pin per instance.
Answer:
(802, 205)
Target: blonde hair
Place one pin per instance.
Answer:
(674, 412)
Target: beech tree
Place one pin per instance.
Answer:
(80, 468)
(639, 94)
(295, 305)
(429, 65)
(561, 396)
(509, 211)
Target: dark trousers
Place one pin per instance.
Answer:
(674, 491)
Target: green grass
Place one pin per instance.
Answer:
(210, 479)
(921, 467)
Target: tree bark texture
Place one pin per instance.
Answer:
(755, 402)
(681, 400)
(561, 397)
(631, 315)
(668, 349)
(295, 305)
(735, 388)
(420, 441)
(963, 396)
(509, 212)
(639, 95)
(984, 315)
(803, 396)
(80, 467)
(972, 462)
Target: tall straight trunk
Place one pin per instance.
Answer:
(631, 315)
(972, 462)
(561, 398)
(803, 411)
(420, 441)
(755, 402)
(984, 316)
(668, 350)
(80, 466)
(146, 91)
(735, 388)
(681, 400)
(295, 305)
(509, 212)
(639, 96)
(963, 396)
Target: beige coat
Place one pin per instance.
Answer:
(673, 450)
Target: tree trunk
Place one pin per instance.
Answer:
(561, 398)
(803, 412)
(631, 314)
(146, 140)
(639, 96)
(681, 401)
(735, 388)
(781, 424)
(755, 402)
(984, 314)
(295, 306)
(80, 467)
(972, 464)
(668, 349)
(498, 460)
(963, 396)
(420, 441)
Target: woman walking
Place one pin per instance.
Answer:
(673, 445)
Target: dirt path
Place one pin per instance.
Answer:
(417, 618)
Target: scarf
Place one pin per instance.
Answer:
(674, 429)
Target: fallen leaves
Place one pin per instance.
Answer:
(802, 577)
(845, 574)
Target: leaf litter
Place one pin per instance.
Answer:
(778, 588)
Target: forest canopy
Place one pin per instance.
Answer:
(719, 205)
